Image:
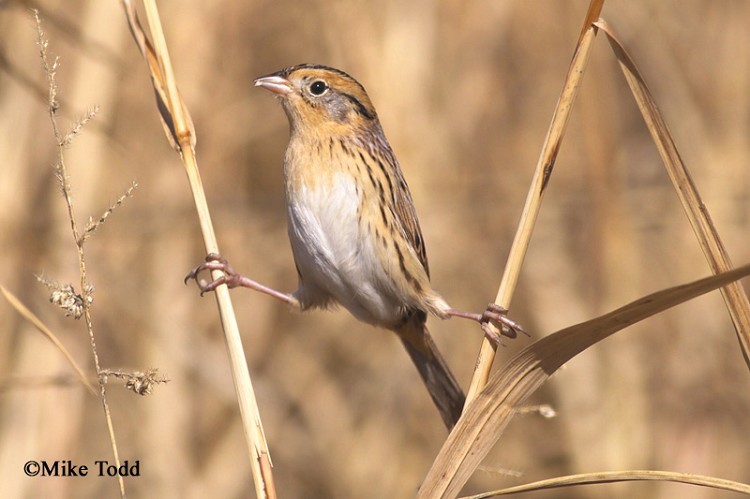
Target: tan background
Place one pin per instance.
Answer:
(465, 91)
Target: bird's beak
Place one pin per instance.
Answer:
(275, 84)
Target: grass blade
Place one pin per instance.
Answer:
(621, 476)
(485, 419)
(735, 298)
(37, 323)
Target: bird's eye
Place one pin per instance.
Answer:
(318, 87)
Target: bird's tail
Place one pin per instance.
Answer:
(442, 385)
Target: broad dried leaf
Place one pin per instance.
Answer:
(157, 79)
(485, 419)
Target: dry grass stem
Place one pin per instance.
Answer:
(735, 298)
(539, 182)
(37, 323)
(180, 132)
(620, 476)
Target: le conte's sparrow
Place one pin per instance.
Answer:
(352, 225)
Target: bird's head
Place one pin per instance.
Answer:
(320, 98)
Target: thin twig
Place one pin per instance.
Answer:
(93, 225)
(50, 69)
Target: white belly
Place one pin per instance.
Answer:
(336, 260)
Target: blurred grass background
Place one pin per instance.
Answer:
(464, 91)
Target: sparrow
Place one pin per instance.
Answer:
(353, 228)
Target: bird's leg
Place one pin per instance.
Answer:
(232, 279)
(496, 315)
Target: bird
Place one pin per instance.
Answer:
(353, 228)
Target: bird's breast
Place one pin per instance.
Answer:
(333, 248)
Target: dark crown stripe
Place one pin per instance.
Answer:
(359, 107)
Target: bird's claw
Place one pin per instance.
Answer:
(498, 316)
(214, 261)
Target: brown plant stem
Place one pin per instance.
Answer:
(179, 130)
(538, 186)
(50, 69)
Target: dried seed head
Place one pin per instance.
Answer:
(137, 381)
(67, 299)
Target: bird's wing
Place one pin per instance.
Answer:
(406, 215)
